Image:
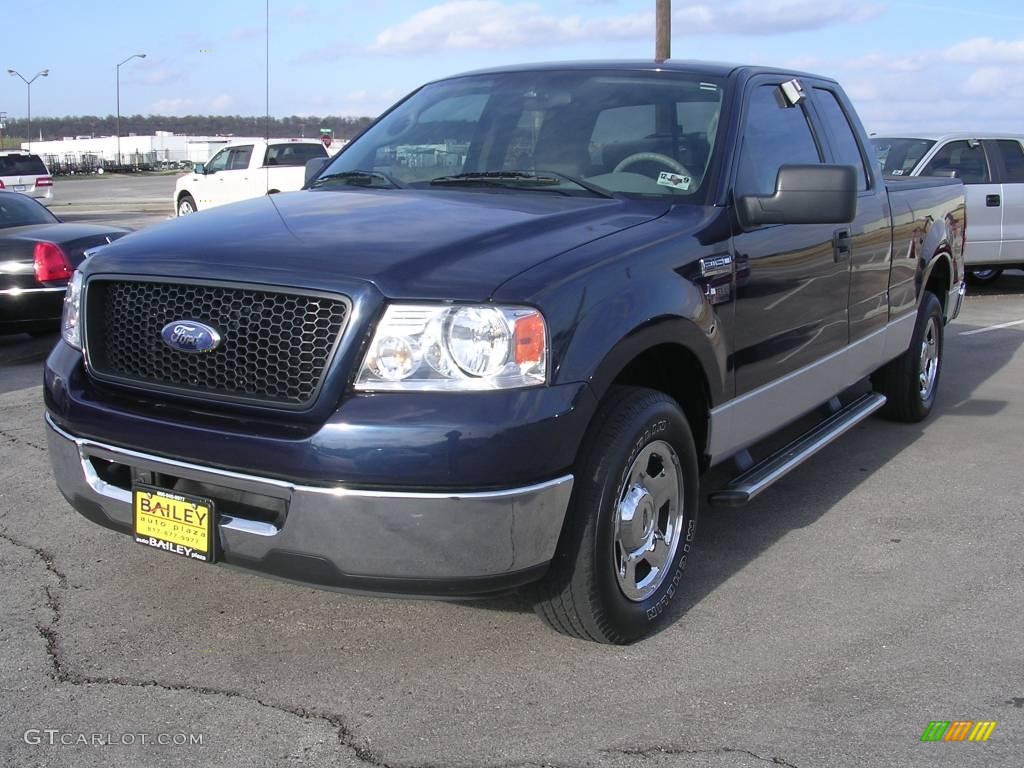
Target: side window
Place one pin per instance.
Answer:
(775, 135)
(240, 157)
(1013, 160)
(219, 162)
(844, 142)
(968, 161)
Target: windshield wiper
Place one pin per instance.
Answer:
(357, 177)
(521, 179)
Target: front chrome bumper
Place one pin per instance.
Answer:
(365, 540)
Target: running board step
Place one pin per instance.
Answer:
(761, 475)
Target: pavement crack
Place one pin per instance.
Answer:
(647, 752)
(43, 554)
(12, 439)
(62, 673)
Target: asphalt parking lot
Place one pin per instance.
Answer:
(877, 588)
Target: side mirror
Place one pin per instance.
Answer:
(804, 194)
(199, 168)
(313, 168)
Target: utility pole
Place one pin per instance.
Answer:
(663, 30)
(3, 124)
(28, 87)
(118, 79)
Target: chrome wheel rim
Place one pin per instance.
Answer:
(648, 521)
(928, 370)
(185, 208)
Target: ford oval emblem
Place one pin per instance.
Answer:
(190, 336)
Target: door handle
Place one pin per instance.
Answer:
(841, 245)
(992, 201)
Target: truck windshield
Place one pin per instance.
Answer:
(572, 132)
(899, 157)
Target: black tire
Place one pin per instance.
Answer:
(983, 276)
(581, 595)
(901, 379)
(184, 202)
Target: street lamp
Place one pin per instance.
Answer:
(28, 84)
(133, 56)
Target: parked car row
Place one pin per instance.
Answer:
(991, 166)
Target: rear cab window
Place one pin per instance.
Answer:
(1012, 154)
(293, 154)
(843, 140)
(22, 165)
(240, 157)
(967, 158)
(19, 211)
(899, 157)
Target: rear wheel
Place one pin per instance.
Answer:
(186, 205)
(631, 523)
(910, 382)
(983, 276)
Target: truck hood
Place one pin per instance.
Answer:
(425, 244)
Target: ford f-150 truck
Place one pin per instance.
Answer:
(245, 169)
(501, 336)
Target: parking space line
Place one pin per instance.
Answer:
(992, 328)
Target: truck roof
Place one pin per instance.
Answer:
(244, 141)
(940, 137)
(710, 68)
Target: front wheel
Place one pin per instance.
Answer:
(186, 205)
(983, 276)
(911, 381)
(631, 523)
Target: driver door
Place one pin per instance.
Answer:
(792, 286)
(207, 184)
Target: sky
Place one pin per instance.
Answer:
(908, 66)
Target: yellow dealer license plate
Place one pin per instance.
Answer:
(174, 522)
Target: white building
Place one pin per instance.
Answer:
(163, 147)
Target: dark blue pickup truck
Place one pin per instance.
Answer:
(501, 336)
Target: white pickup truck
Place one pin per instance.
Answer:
(246, 169)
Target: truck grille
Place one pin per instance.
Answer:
(275, 346)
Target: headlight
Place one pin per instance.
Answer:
(71, 322)
(456, 348)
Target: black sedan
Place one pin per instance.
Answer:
(38, 253)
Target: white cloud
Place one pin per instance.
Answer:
(985, 50)
(172, 106)
(221, 102)
(888, 62)
(769, 17)
(491, 24)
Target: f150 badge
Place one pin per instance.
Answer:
(190, 336)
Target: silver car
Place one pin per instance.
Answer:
(25, 173)
(991, 166)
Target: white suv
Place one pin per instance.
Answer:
(22, 172)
